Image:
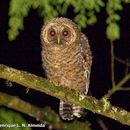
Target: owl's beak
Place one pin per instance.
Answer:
(58, 39)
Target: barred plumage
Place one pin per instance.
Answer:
(69, 112)
(67, 60)
(66, 111)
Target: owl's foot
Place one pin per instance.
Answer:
(53, 82)
(72, 88)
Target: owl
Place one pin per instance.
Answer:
(66, 60)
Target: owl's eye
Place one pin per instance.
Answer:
(65, 33)
(52, 33)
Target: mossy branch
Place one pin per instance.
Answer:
(45, 115)
(102, 107)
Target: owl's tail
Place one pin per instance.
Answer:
(70, 111)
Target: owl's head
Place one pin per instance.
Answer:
(60, 31)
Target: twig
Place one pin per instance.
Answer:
(102, 107)
(127, 67)
(122, 61)
(127, 63)
(112, 64)
(118, 86)
(45, 115)
(102, 124)
(125, 89)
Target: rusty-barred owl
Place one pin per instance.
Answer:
(67, 60)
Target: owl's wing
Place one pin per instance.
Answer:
(87, 58)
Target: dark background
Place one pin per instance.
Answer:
(25, 54)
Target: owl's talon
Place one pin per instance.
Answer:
(72, 88)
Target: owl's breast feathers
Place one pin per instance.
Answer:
(65, 67)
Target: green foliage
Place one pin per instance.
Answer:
(113, 29)
(126, 1)
(9, 117)
(84, 10)
(17, 11)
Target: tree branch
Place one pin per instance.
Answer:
(122, 61)
(127, 63)
(112, 64)
(118, 86)
(125, 89)
(45, 115)
(102, 124)
(102, 107)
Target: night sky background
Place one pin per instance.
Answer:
(25, 54)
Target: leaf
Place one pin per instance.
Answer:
(81, 20)
(117, 5)
(113, 31)
(126, 1)
(100, 3)
(92, 18)
(89, 4)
